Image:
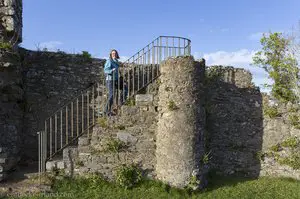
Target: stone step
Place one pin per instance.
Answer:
(2, 176)
(3, 149)
(84, 141)
(55, 164)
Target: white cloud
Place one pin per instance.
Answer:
(50, 45)
(239, 59)
(124, 58)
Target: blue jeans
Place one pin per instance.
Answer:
(112, 87)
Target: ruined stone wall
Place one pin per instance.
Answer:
(234, 121)
(242, 138)
(11, 110)
(11, 21)
(181, 121)
(50, 81)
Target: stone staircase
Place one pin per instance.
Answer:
(128, 138)
(7, 162)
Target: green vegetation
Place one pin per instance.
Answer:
(5, 45)
(79, 163)
(102, 121)
(114, 145)
(120, 127)
(280, 64)
(293, 109)
(219, 188)
(172, 106)
(294, 119)
(130, 101)
(193, 184)
(86, 55)
(213, 74)
(275, 148)
(291, 142)
(292, 161)
(206, 157)
(128, 176)
(271, 111)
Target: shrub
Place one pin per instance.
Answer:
(294, 119)
(290, 142)
(130, 102)
(271, 111)
(292, 161)
(86, 55)
(275, 148)
(114, 145)
(102, 121)
(128, 175)
(172, 106)
(5, 45)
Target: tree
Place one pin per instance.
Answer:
(280, 64)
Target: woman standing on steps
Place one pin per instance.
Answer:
(111, 70)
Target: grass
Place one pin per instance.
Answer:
(219, 188)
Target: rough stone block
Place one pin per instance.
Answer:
(70, 153)
(126, 137)
(2, 176)
(84, 149)
(50, 165)
(83, 141)
(60, 165)
(129, 110)
(3, 155)
(99, 159)
(3, 160)
(144, 99)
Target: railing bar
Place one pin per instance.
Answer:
(50, 134)
(173, 46)
(88, 112)
(104, 87)
(82, 112)
(133, 76)
(93, 105)
(179, 52)
(55, 129)
(39, 156)
(148, 63)
(143, 67)
(98, 98)
(113, 91)
(72, 118)
(184, 47)
(45, 152)
(67, 123)
(77, 118)
(61, 129)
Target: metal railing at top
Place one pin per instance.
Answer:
(77, 117)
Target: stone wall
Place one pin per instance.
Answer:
(50, 81)
(280, 155)
(11, 21)
(234, 121)
(181, 121)
(242, 138)
(11, 110)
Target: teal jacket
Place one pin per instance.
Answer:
(109, 65)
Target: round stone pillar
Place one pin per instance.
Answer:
(181, 122)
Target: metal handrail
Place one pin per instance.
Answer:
(79, 115)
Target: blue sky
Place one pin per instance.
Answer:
(223, 32)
